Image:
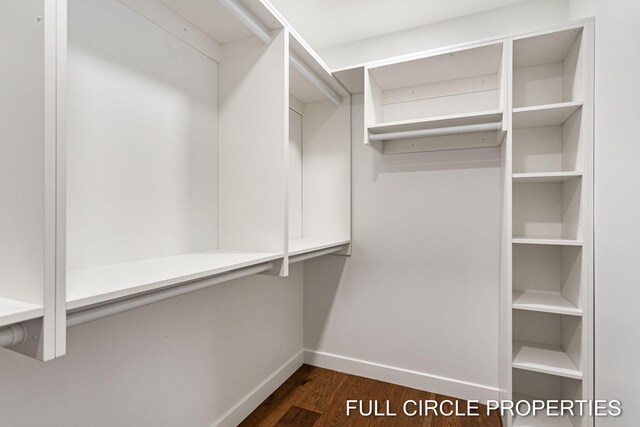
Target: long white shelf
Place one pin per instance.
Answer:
(546, 359)
(545, 302)
(449, 124)
(302, 246)
(14, 311)
(97, 285)
(544, 177)
(544, 115)
(539, 420)
(532, 240)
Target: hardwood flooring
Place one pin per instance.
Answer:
(318, 397)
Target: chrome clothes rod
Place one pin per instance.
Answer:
(453, 130)
(16, 334)
(247, 17)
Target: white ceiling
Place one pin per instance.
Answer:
(324, 23)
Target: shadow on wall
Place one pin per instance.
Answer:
(320, 296)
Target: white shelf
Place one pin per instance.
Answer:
(482, 117)
(544, 177)
(544, 115)
(546, 359)
(532, 240)
(302, 246)
(100, 284)
(13, 311)
(546, 302)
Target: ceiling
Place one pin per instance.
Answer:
(324, 23)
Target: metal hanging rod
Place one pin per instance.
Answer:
(16, 334)
(247, 17)
(310, 75)
(453, 130)
(303, 257)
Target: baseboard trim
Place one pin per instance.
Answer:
(408, 378)
(251, 401)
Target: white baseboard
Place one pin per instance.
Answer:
(414, 379)
(251, 401)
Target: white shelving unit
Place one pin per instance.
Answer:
(551, 164)
(444, 101)
(319, 152)
(164, 158)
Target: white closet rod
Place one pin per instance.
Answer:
(310, 75)
(453, 130)
(303, 257)
(15, 334)
(243, 14)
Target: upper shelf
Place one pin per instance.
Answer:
(13, 311)
(96, 285)
(544, 177)
(544, 115)
(302, 246)
(472, 130)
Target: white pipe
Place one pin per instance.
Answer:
(303, 257)
(98, 312)
(453, 130)
(243, 14)
(310, 75)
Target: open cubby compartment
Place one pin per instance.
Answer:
(533, 386)
(548, 153)
(548, 210)
(548, 69)
(444, 101)
(27, 173)
(548, 343)
(319, 174)
(176, 165)
(548, 278)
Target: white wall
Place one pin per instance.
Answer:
(525, 16)
(617, 200)
(181, 362)
(420, 292)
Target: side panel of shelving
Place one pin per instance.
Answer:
(326, 170)
(27, 175)
(254, 117)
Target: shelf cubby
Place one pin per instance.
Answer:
(547, 343)
(319, 153)
(547, 278)
(547, 209)
(529, 386)
(548, 69)
(451, 100)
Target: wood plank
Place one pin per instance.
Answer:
(312, 390)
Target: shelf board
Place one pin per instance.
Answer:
(543, 358)
(544, 115)
(545, 302)
(14, 311)
(544, 177)
(539, 420)
(455, 141)
(302, 246)
(97, 285)
(532, 240)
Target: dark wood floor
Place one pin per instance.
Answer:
(318, 397)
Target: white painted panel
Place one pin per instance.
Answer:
(142, 151)
(253, 127)
(538, 84)
(537, 149)
(294, 179)
(326, 169)
(22, 151)
(426, 232)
